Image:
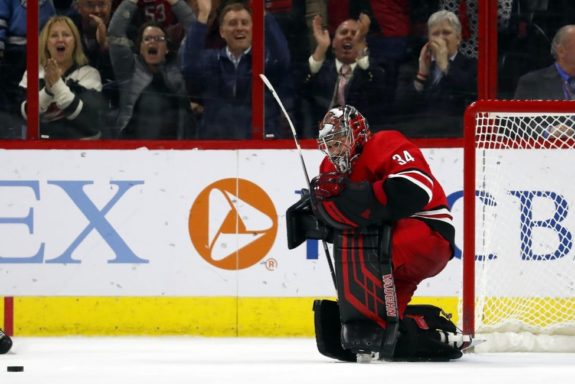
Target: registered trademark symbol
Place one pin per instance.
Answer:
(271, 264)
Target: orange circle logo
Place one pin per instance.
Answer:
(232, 224)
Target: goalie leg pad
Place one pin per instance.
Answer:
(362, 336)
(328, 331)
(343, 341)
(357, 265)
(363, 295)
(421, 332)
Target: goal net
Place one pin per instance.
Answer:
(519, 225)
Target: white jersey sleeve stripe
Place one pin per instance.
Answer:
(416, 172)
(441, 214)
(418, 179)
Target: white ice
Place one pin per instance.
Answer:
(173, 360)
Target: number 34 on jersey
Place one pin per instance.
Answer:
(403, 158)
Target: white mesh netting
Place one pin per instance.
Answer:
(525, 267)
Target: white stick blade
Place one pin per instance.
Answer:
(267, 82)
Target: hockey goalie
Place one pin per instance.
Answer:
(377, 201)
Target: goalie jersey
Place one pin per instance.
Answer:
(401, 180)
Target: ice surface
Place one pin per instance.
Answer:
(173, 360)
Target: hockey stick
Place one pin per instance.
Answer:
(271, 88)
(293, 131)
(390, 295)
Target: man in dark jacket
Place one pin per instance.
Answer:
(221, 79)
(347, 77)
(434, 92)
(555, 82)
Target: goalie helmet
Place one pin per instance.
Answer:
(342, 134)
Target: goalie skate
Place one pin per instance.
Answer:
(367, 357)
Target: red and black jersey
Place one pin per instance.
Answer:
(401, 180)
(159, 11)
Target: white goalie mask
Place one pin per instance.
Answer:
(342, 134)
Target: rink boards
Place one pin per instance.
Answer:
(171, 241)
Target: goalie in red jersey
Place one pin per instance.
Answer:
(377, 200)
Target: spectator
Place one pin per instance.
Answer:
(433, 93)
(557, 81)
(92, 18)
(295, 18)
(390, 26)
(213, 38)
(161, 13)
(222, 78)
(64, 7)
(348, 78)
(153, 100)
(388, 41)
(13, 55)
(314, 8)
(337, 12)
(390, 31)
(70, 98)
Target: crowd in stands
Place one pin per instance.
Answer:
(182, 69)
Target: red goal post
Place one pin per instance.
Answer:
(518, 250)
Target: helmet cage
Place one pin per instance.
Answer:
(343, 131)
(337, 147)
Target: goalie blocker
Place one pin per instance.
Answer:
(362, 321)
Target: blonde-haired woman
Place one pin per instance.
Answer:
(70, 90)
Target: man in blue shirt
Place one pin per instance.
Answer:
(221, 79)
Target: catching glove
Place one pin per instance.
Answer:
(344, 204)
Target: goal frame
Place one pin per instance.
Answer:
(469, 164)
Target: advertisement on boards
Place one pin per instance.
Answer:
(179, 223)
